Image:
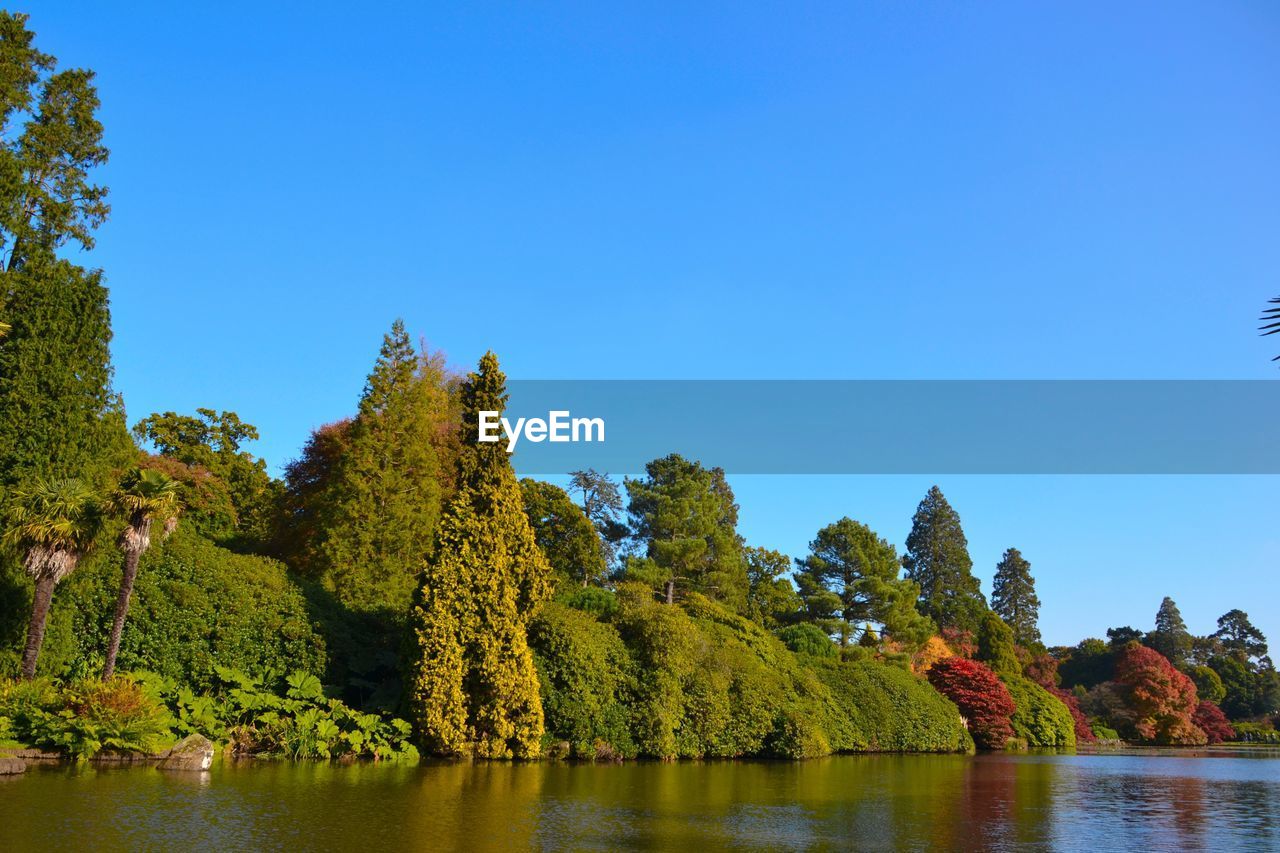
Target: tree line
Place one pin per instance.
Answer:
(417, 575)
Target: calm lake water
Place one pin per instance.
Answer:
(1072, 802)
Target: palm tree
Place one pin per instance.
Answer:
(54, 524)
(142, 496)
(1271, 316)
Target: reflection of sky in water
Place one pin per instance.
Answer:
(998, 802)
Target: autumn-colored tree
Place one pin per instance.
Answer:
(934, 649)
(1209, 718)
(982, 698)
(1159, 700)
(307, 479)
(474, 687)
(1043, 670)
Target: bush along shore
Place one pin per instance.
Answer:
(398, 592)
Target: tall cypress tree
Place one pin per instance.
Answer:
(1014, 599)
(475, 689)
(58, 415)
(381, 509)
(1171, 637)
(938, 560)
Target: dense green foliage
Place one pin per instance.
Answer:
(380, 510)
(566, 536)
(196, 607)
(144, 712)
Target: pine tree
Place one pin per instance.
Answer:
(1013, 597)
(475, 689)
(381, 510)
(687, 518)
(58, 415)
(848, 560)
(938, 560)
(1170, 637)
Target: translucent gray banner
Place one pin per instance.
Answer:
(899, 427)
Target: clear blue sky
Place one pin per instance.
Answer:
(870, 190)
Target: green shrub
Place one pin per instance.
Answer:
(586, 676)
(1104, 733)
(806, 638)
(600, 603)
(195, 607)
(1041, 719)
(886, 708)
(85, 718)
(300, 722)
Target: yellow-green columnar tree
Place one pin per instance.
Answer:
(475, 689)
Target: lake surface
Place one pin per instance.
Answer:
(1144, 801)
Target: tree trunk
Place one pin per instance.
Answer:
(671, 592)
(131, 558)
(35, 631)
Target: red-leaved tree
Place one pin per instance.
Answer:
(981, 697)
(1213, 722)
(1159, 700)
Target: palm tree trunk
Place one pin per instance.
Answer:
(131, 558)
(35, 631)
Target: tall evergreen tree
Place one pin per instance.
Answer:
(686, 518)
(381, 509)
(58, 415)
(1239, 638)
(1170, 637)
(1014, 599)
(848, 560)
(938, 560)
(602, 503)
(474, 687)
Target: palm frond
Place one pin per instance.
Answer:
(146, 493)
(56, 515)
(1271, 318)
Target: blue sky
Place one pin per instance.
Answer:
(874, 190)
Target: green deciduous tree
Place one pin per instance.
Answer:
(212, 441)
(475, 688)
(771, 597)
(938, 560)
(1014, 599)
(1170, 637)
(379, 511)
(848, 560)
(143, 497)
(52, 524)
(564, 533)
(686, 518)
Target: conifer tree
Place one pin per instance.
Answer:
(1013, 597)
(58, 415)
(381, 509)
(848, 560)
(938, 560)
(686, 517)
(475, 689)
(1170, 637)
